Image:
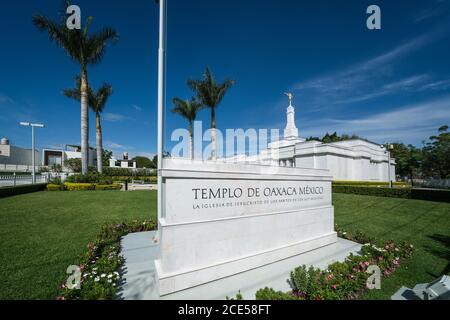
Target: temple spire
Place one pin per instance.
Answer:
(291, 131)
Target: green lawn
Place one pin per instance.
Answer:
(43, 233)
(425, 224)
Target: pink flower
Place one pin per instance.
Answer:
(334, 286)
(366, 263)
(60, 298)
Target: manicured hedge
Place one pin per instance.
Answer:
(406, 193)
(55, 187)
(90, 186)
(146, 179)
(368, 183)
(14, 191)
(79, 186)
(108, 187)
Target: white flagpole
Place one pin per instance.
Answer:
(161, 101)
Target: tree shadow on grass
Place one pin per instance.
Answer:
(443, 253)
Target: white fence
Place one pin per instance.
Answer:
(17, 168)
(12, 180)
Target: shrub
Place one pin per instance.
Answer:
(103, 187)
(79, 186)
(420, 194)
(146, 179)
(74, 165)
(55, 187)
(14, 191)
(369, 183)
(342, 280)
(89, 178)
(131, 173)
(270, 294)
(99, 265)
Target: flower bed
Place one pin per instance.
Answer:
(100, 264)
(342, 280)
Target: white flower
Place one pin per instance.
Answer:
(109, 280)
(116, 273)
(110, 276)
(97, 279)
(103, 275)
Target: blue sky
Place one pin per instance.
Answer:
(386, 85)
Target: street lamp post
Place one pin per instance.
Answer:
(33, 148)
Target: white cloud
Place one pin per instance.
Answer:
(114, 117)
(5, 99)
(409, 124)
(364, 81)
(114, 146)
(438, 8)
(136, 107)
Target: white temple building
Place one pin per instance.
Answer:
(350, 160)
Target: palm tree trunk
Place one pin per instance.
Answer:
(99, 141)
(84, 123)
(213, 134)
(191, 142)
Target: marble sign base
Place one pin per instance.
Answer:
(219, 220)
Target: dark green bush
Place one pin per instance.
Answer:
(146, 179)
(100, 187)
(420, 194)
(14, 191)
(368, 183)
(89, 178)
(271, 294)
(131, 173)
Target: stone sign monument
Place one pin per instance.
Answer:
(221, 219)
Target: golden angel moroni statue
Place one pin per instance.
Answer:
(290, 96)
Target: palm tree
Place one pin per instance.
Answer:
(188, 109)
(97, 101)
(211, 93)
(84, 49)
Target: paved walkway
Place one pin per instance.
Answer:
(140, 278)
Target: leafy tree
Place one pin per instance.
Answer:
(97, 101)
(73, 165)
(408, 159)
(327, 138)
(84, 49)
(143, 162)
(188, 109)
(106, 156)
(436, 154)
(211, 93)
(155, 159)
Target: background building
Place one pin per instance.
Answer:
(14, 158)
